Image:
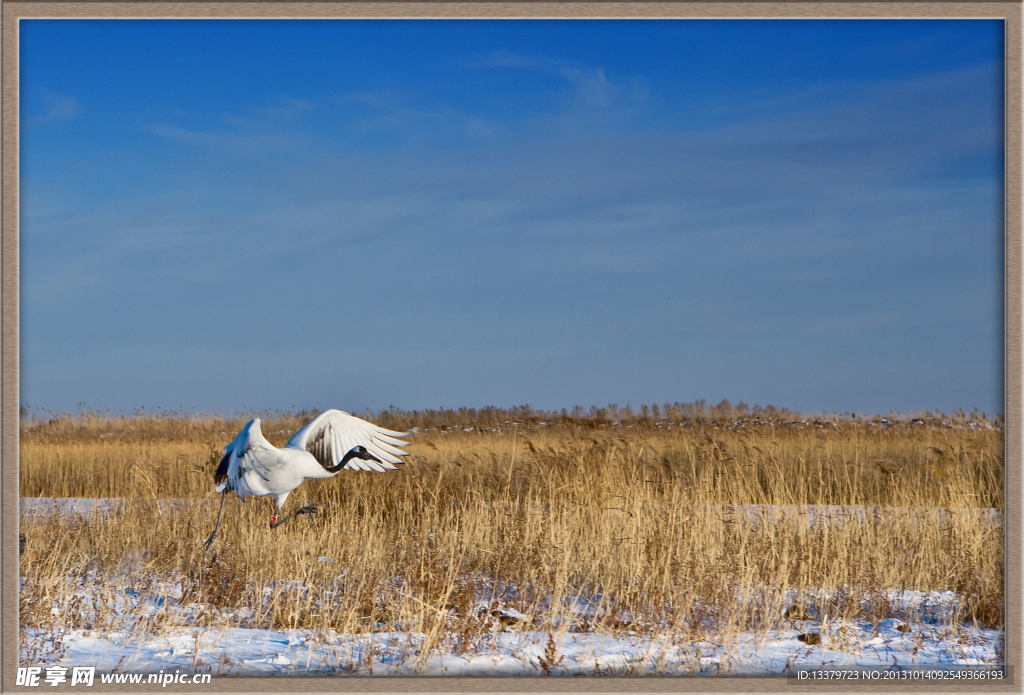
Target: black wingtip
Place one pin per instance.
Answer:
(222, 469)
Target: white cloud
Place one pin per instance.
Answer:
(59, 107)
(592, 93)
(232, 141)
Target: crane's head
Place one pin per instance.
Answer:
(362, 453)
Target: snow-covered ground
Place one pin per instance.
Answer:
(156, 631)
(239, 651)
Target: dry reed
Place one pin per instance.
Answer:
(691, 523)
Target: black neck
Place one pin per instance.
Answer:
(353, 454)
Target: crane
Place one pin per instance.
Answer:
(330, 442)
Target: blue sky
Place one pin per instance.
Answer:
(234, 215)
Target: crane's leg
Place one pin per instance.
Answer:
(308, 509)
(209, 541)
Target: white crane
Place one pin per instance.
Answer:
(331, 441)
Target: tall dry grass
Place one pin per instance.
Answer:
(693, 523)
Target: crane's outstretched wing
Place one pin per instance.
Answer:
(240, 458)
(333, 433)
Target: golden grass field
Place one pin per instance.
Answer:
(686, 518)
